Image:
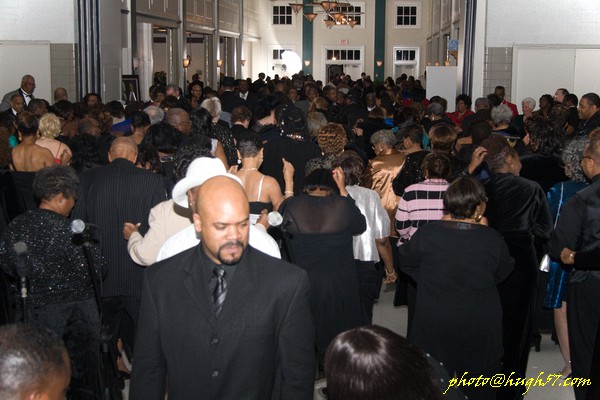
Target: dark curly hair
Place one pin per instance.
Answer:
(149, 159)
(195, 148)
(352, 165)
(63, 109)
(164, 137)
(497, 150)
(201, 122)
(85, 152)
(546, 137)
(51, 181)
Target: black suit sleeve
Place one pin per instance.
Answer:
(568, 228)
(296, 345)
(79, 211)
(149, 371)
(543, 223)
(410, 254)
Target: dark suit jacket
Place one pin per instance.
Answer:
(261, 346)
(230, 100)
(251, 101)
(109, 196)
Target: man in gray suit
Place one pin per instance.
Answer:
(25, 91)
(223, 320)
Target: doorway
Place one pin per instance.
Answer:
(333, 70)
(408, 69)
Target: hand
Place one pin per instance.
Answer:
(565, 256)
(129, 228)
(358, 131)
(288, 170)
(263, 219)
(340, 179)
(477, 158)
(527, 140)
(390, 278)
(65, 157)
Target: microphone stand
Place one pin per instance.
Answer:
(22, 269)
(109, 384)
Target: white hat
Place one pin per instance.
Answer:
(199, 171)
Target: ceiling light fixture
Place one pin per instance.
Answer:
(335, 11)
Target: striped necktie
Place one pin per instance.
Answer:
(220, 290)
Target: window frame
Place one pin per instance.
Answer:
(292, 16)
(419, 11)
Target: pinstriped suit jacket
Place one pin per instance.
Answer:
(109, 196)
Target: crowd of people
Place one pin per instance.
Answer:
(236, 240)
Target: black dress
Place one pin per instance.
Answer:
(61, 296)
(297, 152)
(320, 231)
(518, 209)
(458, 316)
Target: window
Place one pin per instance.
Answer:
(352, 13)
(278, 52)
(408, 15)
(282, 15)
(406, 55)
(343, 55)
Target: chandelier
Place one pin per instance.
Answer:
(336, 12)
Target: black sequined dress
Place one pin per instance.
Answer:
(61, 295)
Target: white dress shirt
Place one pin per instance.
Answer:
(187, 238)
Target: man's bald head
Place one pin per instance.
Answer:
(179, 119)
(28, 84)
(123, 147)
(60, 94)
(221, 216)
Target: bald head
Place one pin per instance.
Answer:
(221, 212)
(179, 119)
(60, 94)
(28, 84)
(123, 147)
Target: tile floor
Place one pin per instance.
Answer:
(548, 360)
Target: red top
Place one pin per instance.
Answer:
(458, 119)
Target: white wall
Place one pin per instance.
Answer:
(361, 37)
(276, 35)
(570, 22)
(50, 20)
(406, 37)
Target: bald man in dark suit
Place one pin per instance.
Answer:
(109, 196)
(223, 320)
